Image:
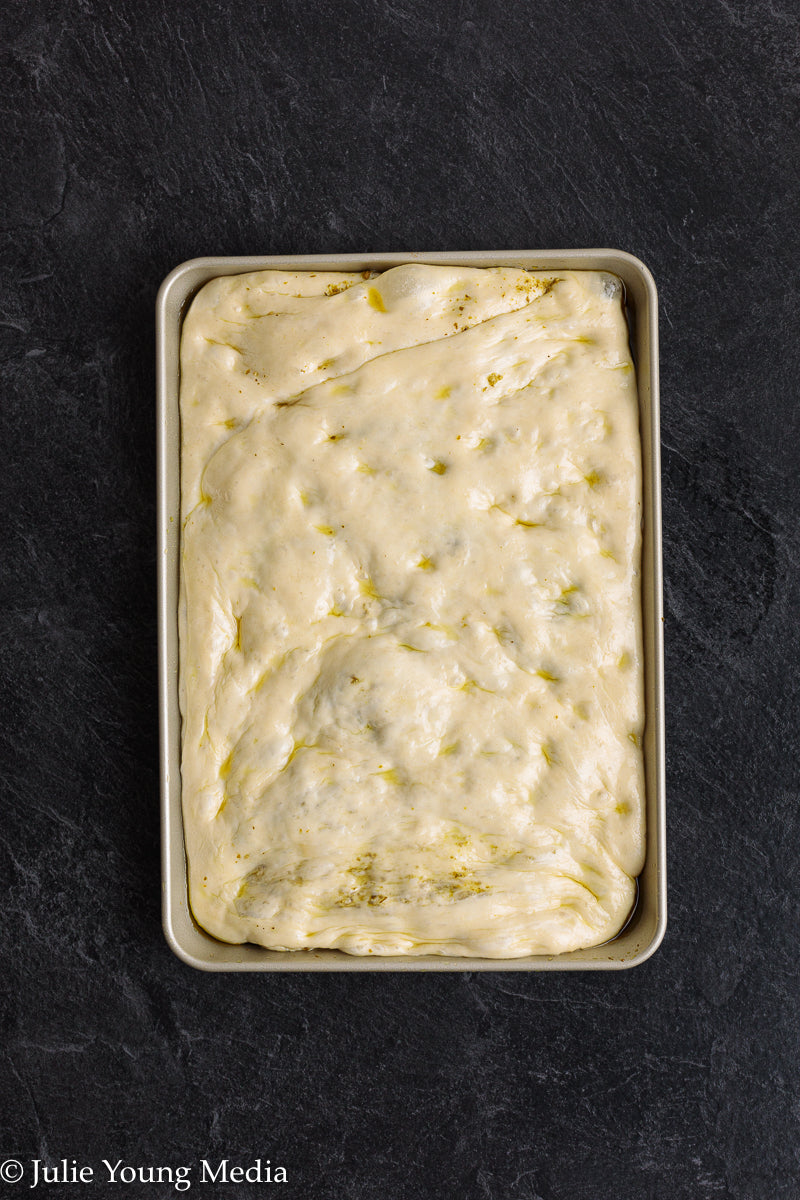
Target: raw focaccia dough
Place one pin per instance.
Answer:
(410, 650)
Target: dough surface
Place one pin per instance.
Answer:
(410, 631)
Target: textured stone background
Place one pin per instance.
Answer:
(136, 135)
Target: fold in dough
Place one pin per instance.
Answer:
(410, 643)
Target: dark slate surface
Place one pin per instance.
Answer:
(136, 135)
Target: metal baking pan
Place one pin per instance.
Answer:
(645, 928)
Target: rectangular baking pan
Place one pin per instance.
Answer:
(645, 929)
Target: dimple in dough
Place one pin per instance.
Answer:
(410, 633)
